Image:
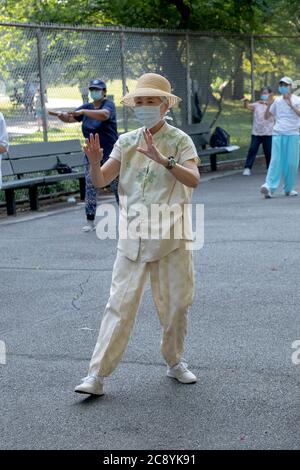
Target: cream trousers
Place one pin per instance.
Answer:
(172, 283)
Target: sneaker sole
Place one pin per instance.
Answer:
(289, 195)
(174, 377)
(265, 192)
(89, 393)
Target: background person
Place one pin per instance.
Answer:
(262, 130)
(97, 117)
(285, 140)
(29, 94)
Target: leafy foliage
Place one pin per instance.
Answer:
(203, 15)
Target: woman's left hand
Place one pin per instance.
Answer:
(151, 151)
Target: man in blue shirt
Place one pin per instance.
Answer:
(97, 117)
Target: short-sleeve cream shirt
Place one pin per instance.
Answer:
(144, 182)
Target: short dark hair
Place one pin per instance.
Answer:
(266, 88)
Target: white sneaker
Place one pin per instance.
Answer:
(291, 193)
(181, 373)
(265, 190)
(89, 227)
(91, 385)
(247, 172)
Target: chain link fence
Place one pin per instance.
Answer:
(49, 67)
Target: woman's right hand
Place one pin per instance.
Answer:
(93, 150)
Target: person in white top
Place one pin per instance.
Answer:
(3, 141)
(285, 140)
(262, 130)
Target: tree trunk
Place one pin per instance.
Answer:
(171, 65)
(238, 82)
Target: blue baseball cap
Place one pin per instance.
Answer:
(98, 84)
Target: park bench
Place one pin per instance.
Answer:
(200, 134)
(29, 165)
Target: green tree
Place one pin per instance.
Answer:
(203, 15)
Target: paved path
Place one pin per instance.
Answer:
(54, 285)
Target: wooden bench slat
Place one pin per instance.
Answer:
(212, 151)
(41, 149)
(200, 141)
(194, 129)
(6, 168)
(31, 165)
(38, 181)
(67, 176)
(72, 160)
(23, 183)
(216, 150)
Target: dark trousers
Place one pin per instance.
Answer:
(256, 140)
(91, 191)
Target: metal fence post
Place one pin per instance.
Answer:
(42, 84)
(252, 67)
(123, 72)
(188, 81)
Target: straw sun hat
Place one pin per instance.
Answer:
(151, 84)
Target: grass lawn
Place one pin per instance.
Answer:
(64, 133)
(114, 88)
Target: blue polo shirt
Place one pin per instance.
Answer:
(107, 130)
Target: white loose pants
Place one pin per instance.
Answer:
(172, 283)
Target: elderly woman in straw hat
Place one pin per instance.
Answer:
(157, 167)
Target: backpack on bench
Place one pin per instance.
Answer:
(219, 138)
(62, 168)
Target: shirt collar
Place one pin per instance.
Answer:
(161, 131)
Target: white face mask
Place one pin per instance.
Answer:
(148, 116)
(96, 94)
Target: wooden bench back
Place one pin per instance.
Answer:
(199, 133)
(43, 149)
(6, 168)
(199, 128)
(42, 156)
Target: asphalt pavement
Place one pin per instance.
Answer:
(55, 282)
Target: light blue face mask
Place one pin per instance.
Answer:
(283, 89)
(148, 116)
(96, 94)
(264, 97)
